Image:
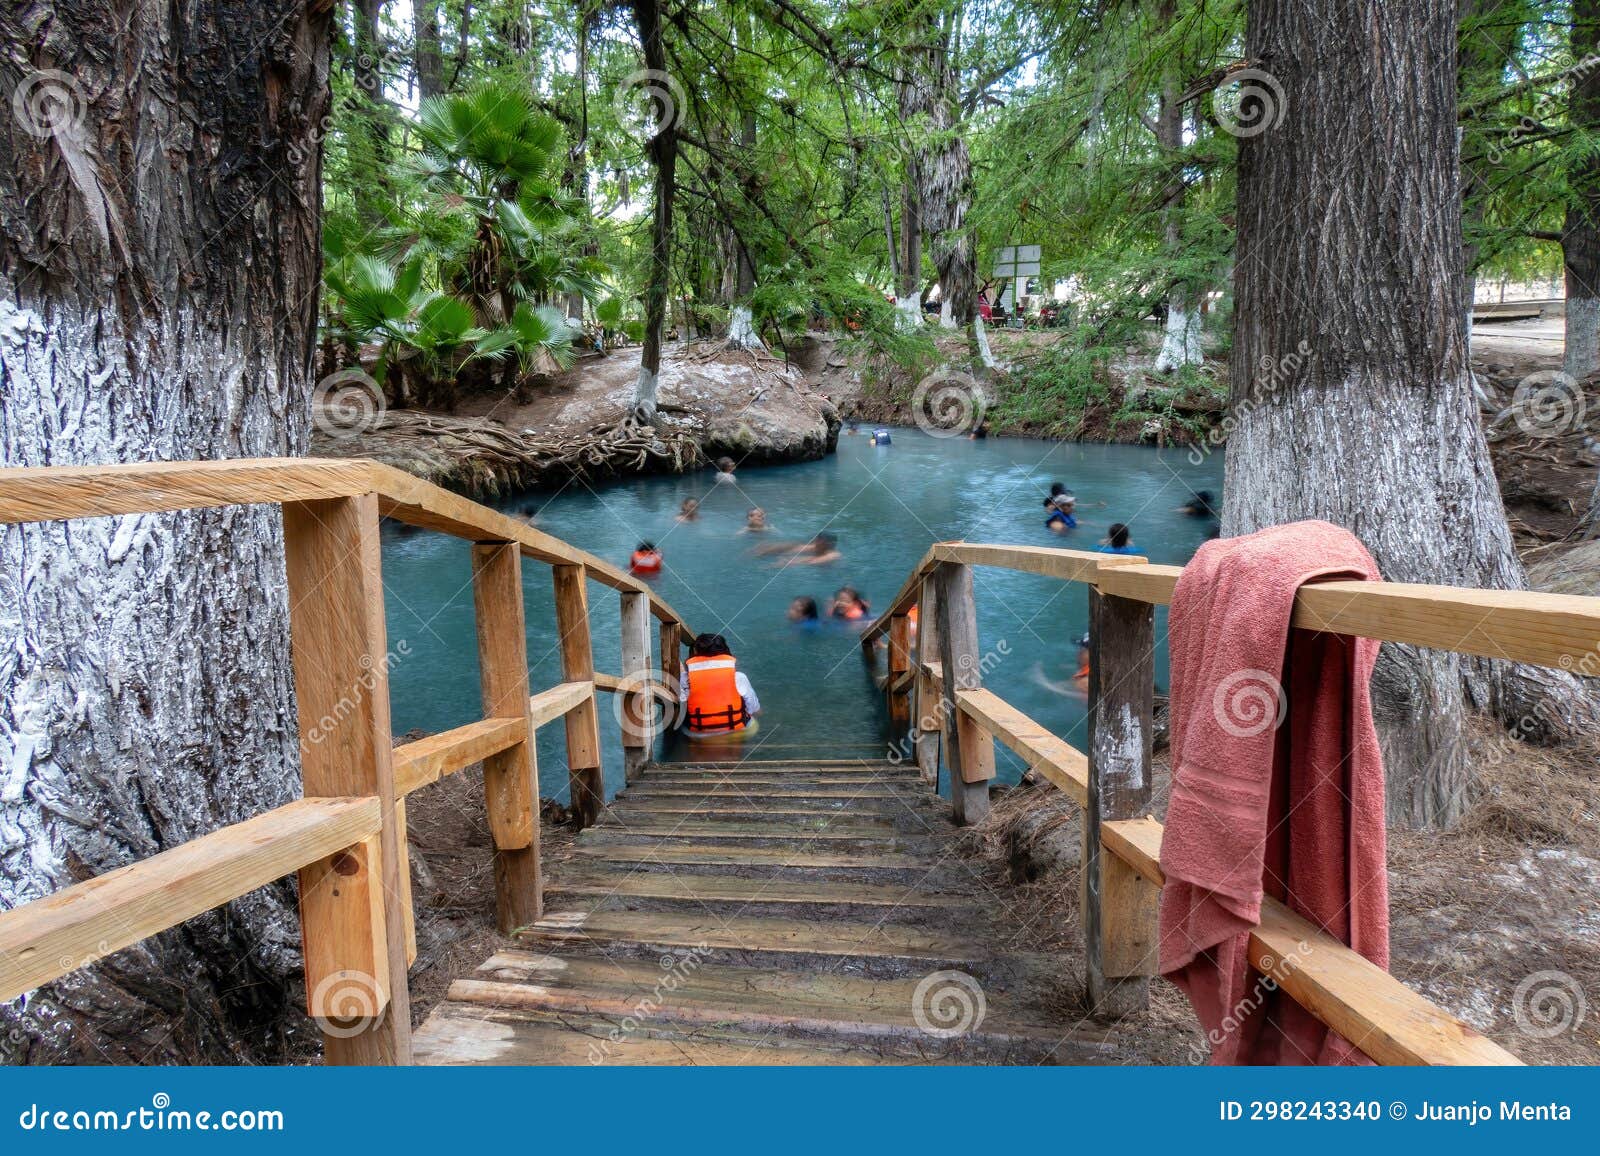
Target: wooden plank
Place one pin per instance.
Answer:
(1119, 908)
(586, 787)
(774, 831)
(899, 676)
(425, 761)
(1362, 1002)
(87, 921)
(926, 710)
(638, 707)
(510, 776)
(341, 679)
(347, 974)
(757, 793)
(835, 937)
(1067, 565)
(699, 854)
(693, 812)
(32, 494)
(905, 598)
(1141, 582)
(1053, 758)
(557, 702)
(698, 889)
(968, 748)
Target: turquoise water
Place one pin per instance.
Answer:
(884, 504)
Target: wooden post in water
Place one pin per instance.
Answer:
(899, 695)
(1119, 906)
(969, 750)
(510, 778)
(637, 704)
(352, 917)
(577, 665)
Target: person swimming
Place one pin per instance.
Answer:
(755, 522)
(803, 613)
(689, 511)
(725, 468)
(646, 561)
(881, 437)
(848, 605)
(820, 550)
(1118, 541)
(1062, 505)
(1202, 505)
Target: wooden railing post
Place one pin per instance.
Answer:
(899, 695)
(671, 655)
(510, 778)
(969, 750)
(577, 665)
(352, 904)
(1119, 906)
(926, 717)
(638, 706)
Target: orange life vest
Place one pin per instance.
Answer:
(715, 703)
(852, 612)
(644, 562)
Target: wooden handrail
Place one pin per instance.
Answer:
(1557, 630)
(77, 925)
(57, 493)
(425, 761)
(1346, 991)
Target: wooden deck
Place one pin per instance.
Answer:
(774, 913)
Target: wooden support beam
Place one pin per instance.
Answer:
(926, 710)
(895, 686)
(1119, 907)
(1053, 758)
(510, 776)
(637, 705)
(347, 974)
(77, 925)
(587, 787)
(969, 750)
(673, 638)
(341, 680)
(425, 761)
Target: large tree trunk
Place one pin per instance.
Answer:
(913, 115)
(1580, 236)
(741, 325)
(662, 149)
(429, 58)
(1352, 394)
(159, 267)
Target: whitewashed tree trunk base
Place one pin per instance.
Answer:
(1582, 356)
(742, 331)
(1181, 344)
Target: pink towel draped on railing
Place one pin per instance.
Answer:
(1277, 786)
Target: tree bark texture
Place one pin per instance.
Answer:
(1580, 234)
(159, 266)
(1352, 395)
(662, 149)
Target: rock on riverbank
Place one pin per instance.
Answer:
(755, 409)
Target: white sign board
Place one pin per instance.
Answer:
(1017, 261)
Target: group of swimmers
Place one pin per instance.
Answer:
(1062, 507)
(846, 605)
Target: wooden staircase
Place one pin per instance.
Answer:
(763, 913)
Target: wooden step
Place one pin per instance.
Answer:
(478, 1034)
(753, 782)
(830, 937)
(760, 770)
(813, 1003)
(690, 812)
(778, 764)
(757, 793)
(718, 889)
(710, 855)
(834, 831)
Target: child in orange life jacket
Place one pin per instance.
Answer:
(849, 605)
(717, 698)
(646, 561)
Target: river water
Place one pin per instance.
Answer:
(885, 505)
